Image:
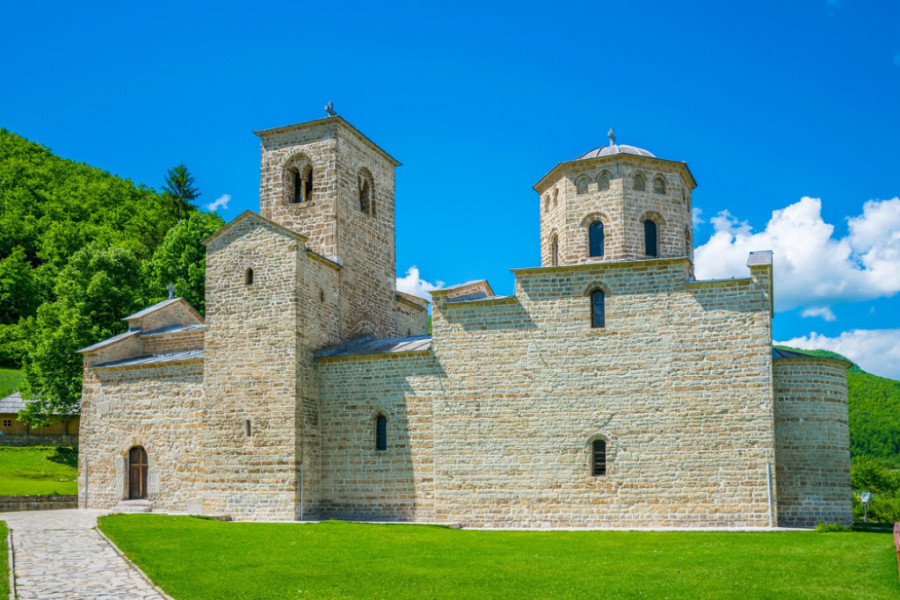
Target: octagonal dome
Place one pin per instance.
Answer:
(615, 149)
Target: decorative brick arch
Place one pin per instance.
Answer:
(595, 216)
(610, 450)
(603, 176)
(653, 216)
(297, 169)
(582, 184)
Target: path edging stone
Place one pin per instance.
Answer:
(131, 564)
(11, 559)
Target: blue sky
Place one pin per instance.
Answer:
(789, 109)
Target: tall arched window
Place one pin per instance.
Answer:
(364, 195)
(603, 182)
(581, 185)
(307, 185)
(651, 243)
(640, 184)
(248, 277)
(595, 238)
(381, 433)
(296, 186)
(598, 458)
(598, 309)
(659, 185)
(554, 251)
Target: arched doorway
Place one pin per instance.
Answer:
(137, 473)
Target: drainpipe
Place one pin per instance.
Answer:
(301, 491)
(85, 481)
(769, 486)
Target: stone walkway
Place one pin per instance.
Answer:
(59, 556)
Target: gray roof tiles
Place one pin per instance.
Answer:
(12, 403)
(151, 359)
(416, 343)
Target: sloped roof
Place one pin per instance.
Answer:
(416, 343)
(109, 341)
(613, 149)
(12, 403)
(249, 214)
(151, 359)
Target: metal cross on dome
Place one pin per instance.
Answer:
(612, 137)
(171, 289)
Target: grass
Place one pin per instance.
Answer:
(4, 565)
(9, 381)
(38, 470)
(198, 559)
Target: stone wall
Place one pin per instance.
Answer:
(38, 440)
(516, 389)
(812, 441)
(159, 408)
(19, 503)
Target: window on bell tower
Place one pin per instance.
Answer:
(651, 242)
(596, 238)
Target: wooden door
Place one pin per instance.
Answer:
(137, 473)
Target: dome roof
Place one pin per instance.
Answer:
(614, 149)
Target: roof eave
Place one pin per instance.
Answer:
(552, 173)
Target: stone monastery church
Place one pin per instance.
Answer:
(612, 389)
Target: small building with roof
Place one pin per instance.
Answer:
(14, 432)
(611, 389)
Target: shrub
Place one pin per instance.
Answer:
(824, 527)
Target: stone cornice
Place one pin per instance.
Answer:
(623, 158)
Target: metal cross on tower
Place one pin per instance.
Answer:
(171, 289)
(612, 137)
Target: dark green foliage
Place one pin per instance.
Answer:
(824, 527)
(181, 260)
(65, 455)
(874, 411)
(884, 485)
(93, 292)
(200, 559)
(80, 249)
(179, 191)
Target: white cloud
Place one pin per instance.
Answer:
(695, 216)
(812, 267)
(413, 284)
(222, 201)
(875, 350)
(818, 311)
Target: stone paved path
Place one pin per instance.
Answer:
(59, 556)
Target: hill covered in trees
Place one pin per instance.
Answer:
(874, 411)
(79, 249)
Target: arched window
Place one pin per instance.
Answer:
(687, 241)
(307, 185)
(603, 182)
(659, 185)
(651, 244)
(296, 186)
(640, 184)
(598, 309)
(595, 238)
(598, 458)
(581, 185)
(555, 197)
(554, 251)
(364, 195)
(381, 433)
(248, 278)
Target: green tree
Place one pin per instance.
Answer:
(180, 191)
(98, 287)
(18, 288)
(181, 260)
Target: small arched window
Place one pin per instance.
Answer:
(364, 195)
(595, 238)
(248, 277)
(296, 186)
(598, 458)
(555, 197)
(659, 185)
(598, 309)
(381, 433)
(687, 241)
(651, 243)
(640, 184)
(554, 251)
(581, 185)
(603, 182)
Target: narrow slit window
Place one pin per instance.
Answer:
(297, 190)
(596, 238)
(651, 242)
(381, 433)
(364, 195)
(554, 252)
(598, 458)
(307, 185)
(598, 309)
(248, 278)
(247, 431)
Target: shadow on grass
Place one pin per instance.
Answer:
(65, 456)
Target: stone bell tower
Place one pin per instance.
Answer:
(326, 180)
(615, 203)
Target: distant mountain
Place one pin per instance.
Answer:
(874, 411)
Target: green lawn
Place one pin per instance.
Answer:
(38, 470)
(9, 381)
(4, 565)
(193, 559)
